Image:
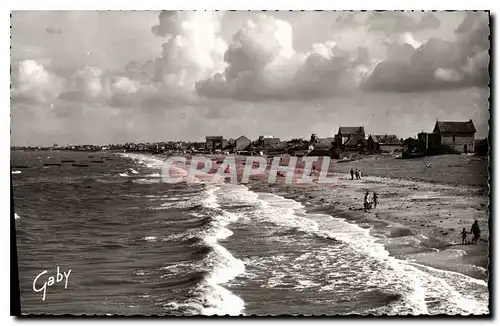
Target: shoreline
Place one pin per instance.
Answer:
(416, 220)
(399, 223)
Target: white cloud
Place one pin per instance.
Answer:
(439, 64)
(32, 81)
(193, 49)
(261, 63)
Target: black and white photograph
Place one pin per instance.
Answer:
(251, 163)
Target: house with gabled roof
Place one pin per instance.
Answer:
(456, 135)
(241, 143)
(350, 138)
(384, 143)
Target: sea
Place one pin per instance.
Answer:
(138, 246)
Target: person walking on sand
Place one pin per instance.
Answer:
(464, 236)
(352, 174)
(357, 174)
(375, 200)
(476, 232)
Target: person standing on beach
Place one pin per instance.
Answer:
(476, 232)
(375, 199)
(366, 203)
(357, 174)
(352, 174)
(464, 236)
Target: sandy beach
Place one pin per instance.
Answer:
(416, 220)
(423, 204)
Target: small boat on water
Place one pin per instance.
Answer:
(91, 156)
(67, 161)
(51, 164)
(19, 166)
(97, 161)
(80, 164)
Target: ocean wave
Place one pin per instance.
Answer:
(148, 161)
(416, 286)
(209, 297)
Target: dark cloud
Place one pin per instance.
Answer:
(400, 22)
(262, 65)
(168, 24)
(438, 64)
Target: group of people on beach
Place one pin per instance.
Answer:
(373, 203)
(356, 173)
(474, 230)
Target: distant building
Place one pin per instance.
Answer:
(321, 146)
(428, 142)
(269, 141)
(241, 143)
(198, 146)
(141, 147)
(383, 143)
(350, 139)
(459, 136)
(214, 142)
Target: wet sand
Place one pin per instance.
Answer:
(416, 220)
(423, 205)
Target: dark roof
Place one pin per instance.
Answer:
(214, 137)
(354, 141)
(322, 145)
(454, 127)
(386, 139)
(351, 130)
(243, 137)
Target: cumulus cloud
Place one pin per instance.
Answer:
(193, 49)
(368, 51)
(31, 81)
(437, 63)
(262, 64)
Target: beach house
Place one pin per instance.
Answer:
(214, 142)
(321, 146)
(350, 139)
(241, 143)
(455, 135)
(383, 143)
(268, 141)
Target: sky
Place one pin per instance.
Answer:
(100, 77)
